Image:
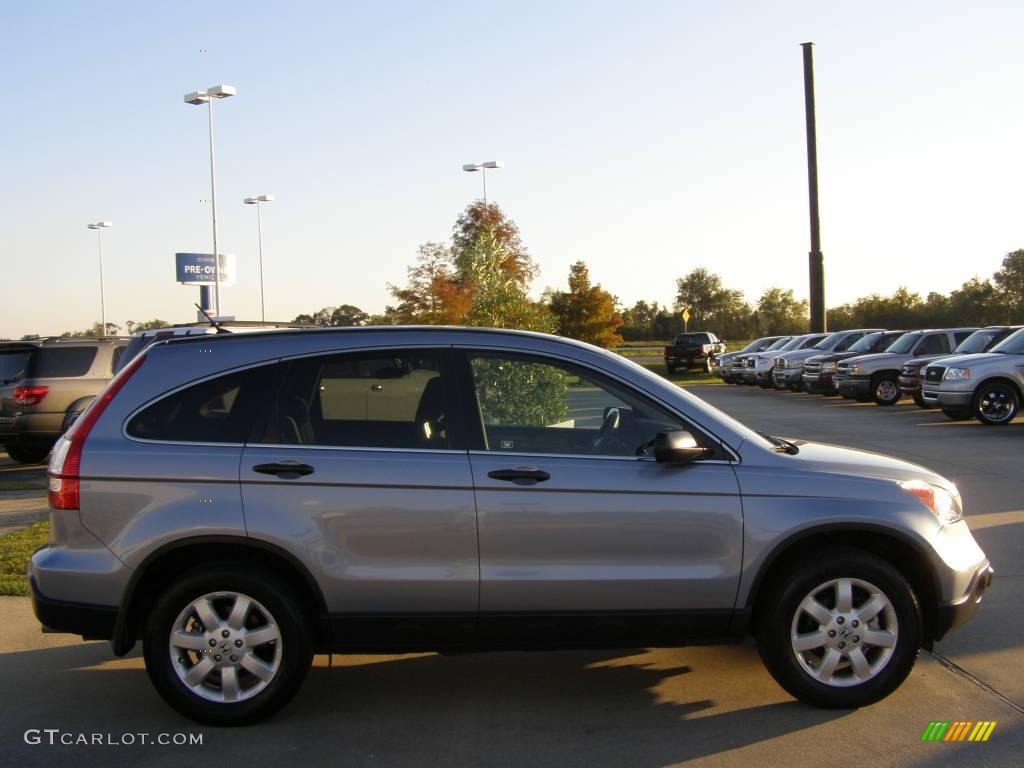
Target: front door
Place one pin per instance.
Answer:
(582, 533)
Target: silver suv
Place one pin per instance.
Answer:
(240, 502)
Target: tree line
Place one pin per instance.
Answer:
(482, 276)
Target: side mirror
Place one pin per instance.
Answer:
(677, 446)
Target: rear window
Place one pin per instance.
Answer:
(60, 362)
(693, 338)
(227, 409)
(12, 365)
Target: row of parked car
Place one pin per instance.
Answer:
(46, 383)
(966, 372)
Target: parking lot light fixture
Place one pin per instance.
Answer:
(482, 167)
(197, 98)
(99, 226)
(259, 230)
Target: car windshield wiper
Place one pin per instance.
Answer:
(780, 445)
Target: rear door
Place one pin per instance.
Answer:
(358, 476)
(582, 534)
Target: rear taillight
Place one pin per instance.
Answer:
(66, 458)
(29, 395)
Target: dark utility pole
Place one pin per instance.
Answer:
(816, 260)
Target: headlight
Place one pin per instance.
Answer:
(946, 506)
(828, 367)
(853, 370)
(958, 373)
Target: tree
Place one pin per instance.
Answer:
(332, 317)
(779, 313)
(347, 314)
(712, 306)
(147, 325)
(432, 296)
(1010, 280)
(95, 331)
(586, 312)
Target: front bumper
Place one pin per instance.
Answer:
(910, 386)
(854, 387)
(955, 399)
(787, 377)
(930, 396)
(952, 614)
(818, 383)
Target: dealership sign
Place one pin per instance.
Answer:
(197, 268)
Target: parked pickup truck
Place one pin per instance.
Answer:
(819, 370)
(980, 341)
(691, 350)
(988, 386)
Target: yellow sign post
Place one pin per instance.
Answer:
(686, 318)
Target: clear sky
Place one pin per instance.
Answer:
(646, 138)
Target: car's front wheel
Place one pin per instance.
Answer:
(996, 404)
(841, 630)
(885, 390)
(225, 646)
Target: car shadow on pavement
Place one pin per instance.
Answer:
(636, 708)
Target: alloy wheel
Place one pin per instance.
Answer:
(844, 632)
(225, 647)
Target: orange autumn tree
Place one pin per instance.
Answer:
(586, 312)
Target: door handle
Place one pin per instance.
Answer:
(287, 470)
(520, 475)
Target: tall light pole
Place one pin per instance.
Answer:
(259, 229)
(99, 226)
(482, 167)
(207, 97)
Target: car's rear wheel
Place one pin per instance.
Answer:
(225, 646)
(996, 404)
(28, 454)
(840, 630)
(885, 389)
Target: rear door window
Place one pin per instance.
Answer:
(60, 362)
(228, 409)
(389, 399)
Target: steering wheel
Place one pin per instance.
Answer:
(606, 434)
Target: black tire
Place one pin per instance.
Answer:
(956, 414)
(285, 609)
(795, 387)
(885, 389)
(709, 364)
(28, 454)
(670, 368)
(996, 403)
(779, 608)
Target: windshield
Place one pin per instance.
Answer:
(904, 343)
(1011, 345)
(755, 346)
(979, 341)
(12, 365)
(830, 341)
(865, 343)
(780, 344)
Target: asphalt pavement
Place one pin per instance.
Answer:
(711, 706)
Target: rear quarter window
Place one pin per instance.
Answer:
(60, 362)
(12, 365)
(228, 409)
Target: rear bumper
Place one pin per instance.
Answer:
(31, 428)
(92, 622)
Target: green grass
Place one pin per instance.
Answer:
(683, 378)
(15, 550)
(23, 485)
